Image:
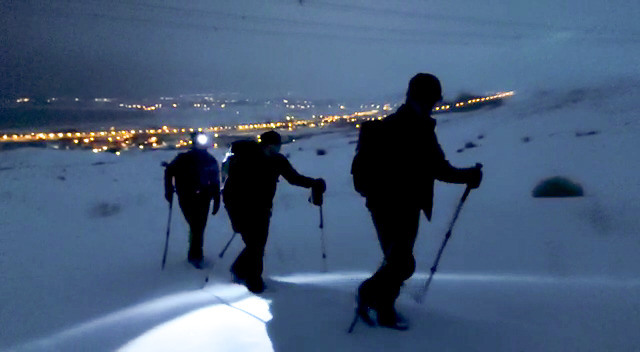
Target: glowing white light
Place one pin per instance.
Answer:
(202, 139)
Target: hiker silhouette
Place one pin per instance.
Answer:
(197, 182)
(396, 163)
(251, 171)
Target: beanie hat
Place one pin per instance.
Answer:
(424, 86)
(270, 138)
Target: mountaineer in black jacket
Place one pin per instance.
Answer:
(252, 172)
(395, 196)
(197, 182)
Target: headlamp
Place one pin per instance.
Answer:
(201, 139)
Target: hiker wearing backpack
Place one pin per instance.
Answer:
(405, 141)
(250, 173)
(197, 182)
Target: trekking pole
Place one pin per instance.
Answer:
(316, 198)
(227, 246)
(166, 242)
(419, 298)
(206, 279)
(322, 240)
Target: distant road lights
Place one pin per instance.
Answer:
(290, 123)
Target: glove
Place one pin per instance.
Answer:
(318, 188)
(216, 207)
(216, 202)
(320, 185)
(475, 176)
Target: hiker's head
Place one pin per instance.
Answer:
(424, 90)
(271, 142)
(199, 140)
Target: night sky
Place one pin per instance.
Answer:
(315, 49)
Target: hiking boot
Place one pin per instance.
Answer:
(389, 318)
(236, 278)
(363, 309)
(197, 263)
(255, 285)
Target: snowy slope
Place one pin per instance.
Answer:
(83, 234)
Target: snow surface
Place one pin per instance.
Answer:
(83, 235)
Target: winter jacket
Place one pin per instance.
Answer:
(195, 171)
(251, 183)
(398, 159)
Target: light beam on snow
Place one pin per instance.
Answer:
(223, 306)
(338, 278)
(215, 328)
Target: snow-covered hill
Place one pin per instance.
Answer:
(83, 234)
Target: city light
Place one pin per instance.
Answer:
(118, 140)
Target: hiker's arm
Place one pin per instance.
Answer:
(168, 181)
(291, 175)
(216, 189)
(445, 172)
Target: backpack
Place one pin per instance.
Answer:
(195, 171)
(242, 167)
(242, 159)
(366, 167)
